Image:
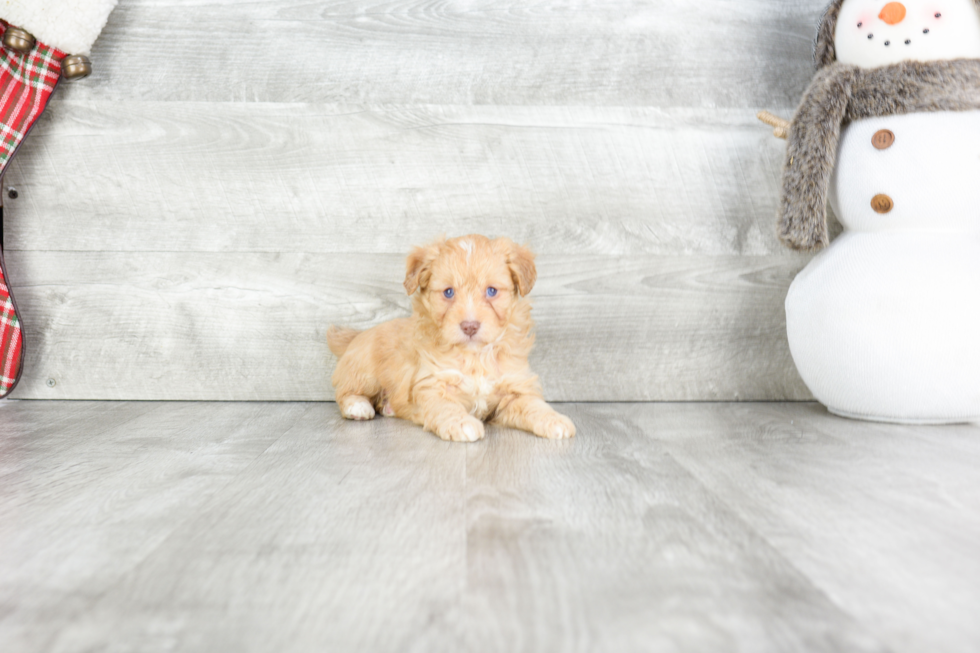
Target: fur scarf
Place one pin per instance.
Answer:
(843, 93)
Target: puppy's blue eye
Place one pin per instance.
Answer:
(448, 293)
(491, 292)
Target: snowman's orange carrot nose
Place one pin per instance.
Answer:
(893, 13)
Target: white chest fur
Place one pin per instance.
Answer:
(476, 390)
(480, 392)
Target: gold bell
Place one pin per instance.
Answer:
(18, 40)
(76, 66)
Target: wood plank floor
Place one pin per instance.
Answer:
(243, 527)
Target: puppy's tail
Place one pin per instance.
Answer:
(339, 339)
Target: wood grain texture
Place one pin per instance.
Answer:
(216, 528)
(133, 549)
(238, 175)
(41, 421)
(863, 510)
(713, 53)
(251, 326)
(167, 176)
(91, 500)
(605, 543)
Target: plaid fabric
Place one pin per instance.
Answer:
(11, 343)
(26, 83)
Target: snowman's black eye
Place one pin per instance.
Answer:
(888, 42)
(907, 41)
(860, 24)
(938, 15)
(925, 31)
(871, 36)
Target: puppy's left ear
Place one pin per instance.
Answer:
(520, 260)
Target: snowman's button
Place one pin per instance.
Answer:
(883, 139)
(881, 203)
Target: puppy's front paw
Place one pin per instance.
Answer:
(554, 427)
(357, 408)
(467, 429)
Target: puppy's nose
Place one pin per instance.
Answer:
(469, 328)
(893, 13)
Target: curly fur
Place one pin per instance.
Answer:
(460, 359)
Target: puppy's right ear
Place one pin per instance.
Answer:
(418, 268)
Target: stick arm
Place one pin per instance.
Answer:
(780, 127)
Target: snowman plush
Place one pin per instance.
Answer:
(884, 324)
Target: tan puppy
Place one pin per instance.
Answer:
(461, 358)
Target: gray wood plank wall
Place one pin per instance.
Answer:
(236, 176)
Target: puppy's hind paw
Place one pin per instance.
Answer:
(357, 408)
(387, 410)
(555, 427)
(468, 429)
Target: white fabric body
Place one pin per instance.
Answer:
(955, 34)
(68, 25)
(885, 323)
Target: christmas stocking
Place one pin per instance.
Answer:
(37, 37)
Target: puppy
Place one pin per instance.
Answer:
(461, 358)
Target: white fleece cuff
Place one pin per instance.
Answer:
(68, 25)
